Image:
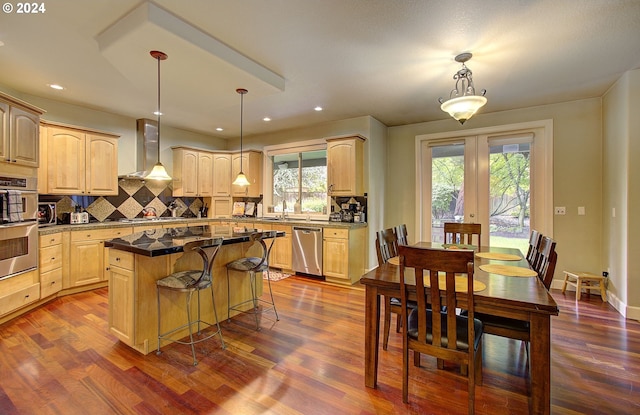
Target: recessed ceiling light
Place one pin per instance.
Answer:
(1, 43)
(267, 119)
(219, 129)
(56, 86)
(318, 108)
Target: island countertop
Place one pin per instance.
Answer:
(157, 242)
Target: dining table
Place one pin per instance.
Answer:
(520, 296)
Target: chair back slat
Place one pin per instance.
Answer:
(401, 233)
(462, 233)
(546, 253)
(534, 243)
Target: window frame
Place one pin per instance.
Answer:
(267, 165)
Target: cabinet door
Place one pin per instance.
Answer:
(102, 165)
(25, 133)
(221, 207)
(4, 131)
(222, 175)
(86, 263)
(252, 168)
(339, 167)
(185, 178)
(66, 161)
(335, 257)
(282, 251)
(121, 318)
(205, 174)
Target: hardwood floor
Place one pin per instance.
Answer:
(61, 359)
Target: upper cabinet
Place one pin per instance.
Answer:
(251, 164)
(345, 166)
(192, 172)
(222, 175)
(19, 132)
(78, 161)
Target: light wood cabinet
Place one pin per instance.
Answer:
(222, 175)
(251, 162)
(343, 252)
(19, 132)
(87, 256)
(345, 157)
(18, 292)
(79, 161)
(121, 291)
(282, 251)
(50, 260)
(221, 207)
(192, 172)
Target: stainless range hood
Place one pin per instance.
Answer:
(146, 148)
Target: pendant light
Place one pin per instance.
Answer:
(241, 179)
(158, 172)
(463, 101)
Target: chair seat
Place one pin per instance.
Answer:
(248, 264)
(183, 280)
(462, 332)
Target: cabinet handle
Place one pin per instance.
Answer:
(53, 282)
(26, 296)
(108, 268)
(53, 258)
(52, 240)
(118, 259)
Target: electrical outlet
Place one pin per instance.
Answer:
(560, 210)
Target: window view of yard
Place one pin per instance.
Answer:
(300, 181)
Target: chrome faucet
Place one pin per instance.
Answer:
(284, 209)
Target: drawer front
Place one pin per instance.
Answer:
(48, 240)
(50, 258)
(336, 233)
(100, 234)
(50, 282)
(19, 298)
(121, 259)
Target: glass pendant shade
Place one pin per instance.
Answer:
(241, 180)
(463, 108)
(158, 173)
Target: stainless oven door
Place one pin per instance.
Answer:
(18, 248)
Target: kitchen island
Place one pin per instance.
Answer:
(138, 260)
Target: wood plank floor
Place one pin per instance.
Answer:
(61, 359)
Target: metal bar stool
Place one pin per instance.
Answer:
(253, 265)
(189, 282)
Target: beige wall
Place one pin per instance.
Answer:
(621, 185)
(577, 174)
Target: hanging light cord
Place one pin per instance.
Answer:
(158, 114)
(241, 119)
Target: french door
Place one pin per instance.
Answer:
(500, 177)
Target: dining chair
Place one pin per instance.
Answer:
(190, 282)
(534, 242)
(462, 233)
(545, 263)
(253, 266)
(444, 335)
(387, 248)
(401, 233)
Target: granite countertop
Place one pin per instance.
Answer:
(157, 242)
(181, 222)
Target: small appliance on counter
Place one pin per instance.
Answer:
(79, 217)
(335, 217)
(47, 214)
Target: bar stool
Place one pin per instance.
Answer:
(585, 280)
(253, 265)
(189, 282)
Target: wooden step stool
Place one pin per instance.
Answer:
(585, 280)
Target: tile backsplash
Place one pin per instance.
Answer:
(133, 196)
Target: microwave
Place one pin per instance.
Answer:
(47, 214)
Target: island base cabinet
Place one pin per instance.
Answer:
(133, 306)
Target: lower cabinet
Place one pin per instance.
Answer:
(121, 290)
(50, 264)
(87, 256)
(343, 252)
(18, 292)
(281, 253)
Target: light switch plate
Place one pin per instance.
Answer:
(581, 210)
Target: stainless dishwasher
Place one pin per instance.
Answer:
(307, 250)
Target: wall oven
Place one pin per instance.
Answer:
(19, 225)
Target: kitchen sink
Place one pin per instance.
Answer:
(156, 219)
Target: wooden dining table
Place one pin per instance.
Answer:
(522, 298)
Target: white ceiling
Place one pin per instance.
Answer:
(388, 59)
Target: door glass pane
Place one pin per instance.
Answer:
(509, 195)
(447, 187)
